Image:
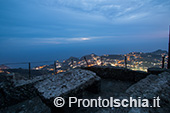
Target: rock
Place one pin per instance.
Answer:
(34, 105)
(138, 110)
(150, 87)
(13, 92)
(5, 84)
(71, 83)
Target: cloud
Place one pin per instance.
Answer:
(115, 10)
(78, 39)
(81, 18)
(58, 40)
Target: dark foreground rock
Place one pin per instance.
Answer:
(33, 96)
(70, 84)
(14, 91)
(150, 87)
(34, 105)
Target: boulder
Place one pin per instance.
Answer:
(148, 88)
(34, 105)
(117, 73)
(70, 84)
(14, 91)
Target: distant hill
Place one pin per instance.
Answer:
(72, 58)
(68, 62)
(4, 67)
(88, 56)
(113, 56)
(159, 52)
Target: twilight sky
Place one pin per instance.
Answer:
(37, 30)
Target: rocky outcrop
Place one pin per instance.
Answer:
(118, 73)
(14, 91)
(75, 82)
(33, 105)
(71, 83)
(153, 86)
(148, 88)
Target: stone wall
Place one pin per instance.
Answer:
(117, 73)
(157, 71)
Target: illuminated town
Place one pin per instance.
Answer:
(135, 61)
